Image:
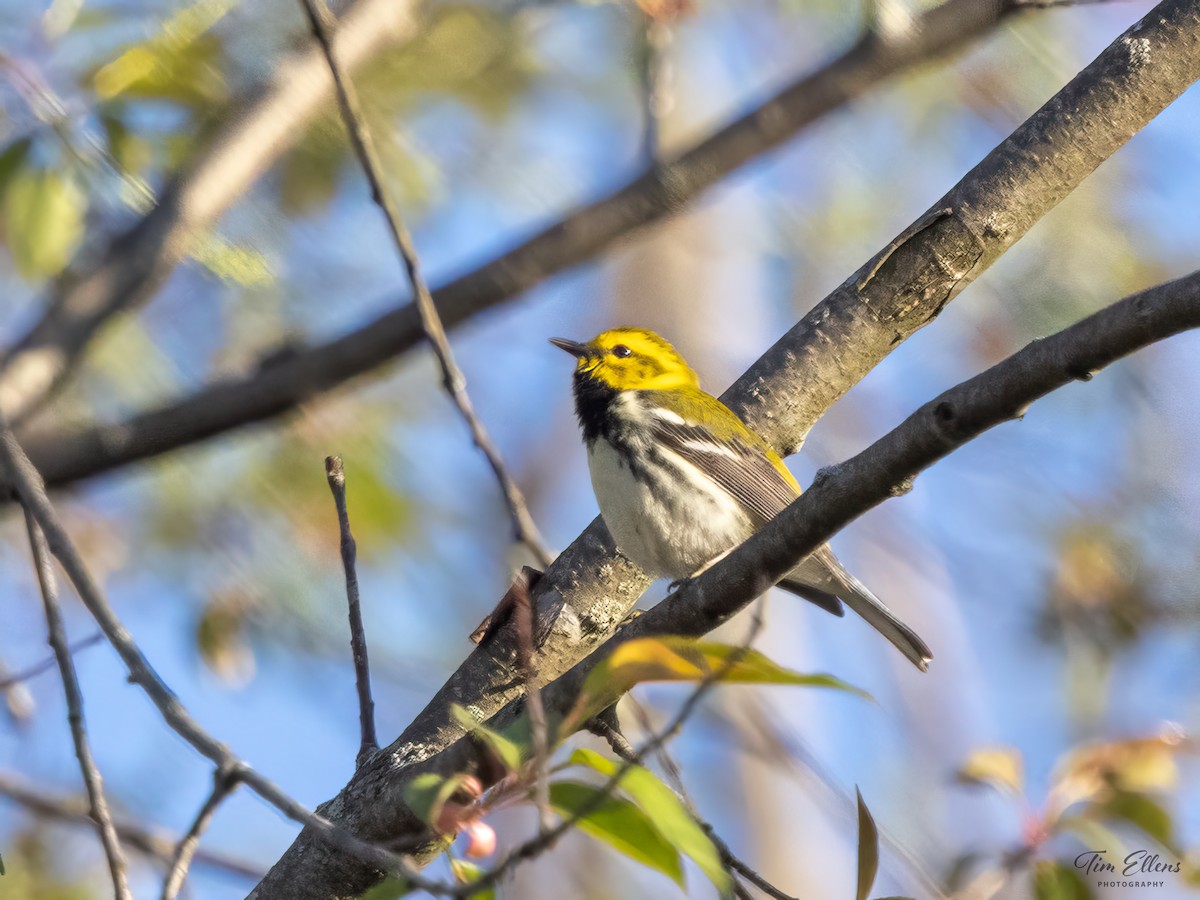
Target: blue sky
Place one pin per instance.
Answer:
(967, 556)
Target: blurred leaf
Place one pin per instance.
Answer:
(12, 160)
(391, 888)
(619, 824)
(33, 867)
(960, 870)
(1136, 765)
(428, 793)
(235, 263)
(667, 10)
(469, 53)
(507, 753)
(129, 151)
(999, 767)
(180, 63)
(43, 213)
(465, 872)
(309, 173)
(473, 54)
(221, 637)
(668, 814)
(681, 659)
(1092, 834)
(1055, 881)
(1143, 813)
(868, 849)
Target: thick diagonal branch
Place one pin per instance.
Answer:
(843, 493)
(285, 381)
(589, 588)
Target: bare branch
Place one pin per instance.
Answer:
(523, 617)
(335, 474)
(97, 803)
(842, 493)
(31, 494)
(151, 842)
(138, 262)
(281, 383)
(225, 781)
(783, 394)
(431, 324)
(46, 664)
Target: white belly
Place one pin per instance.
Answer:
(673, 538)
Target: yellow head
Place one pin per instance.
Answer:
(630, 359)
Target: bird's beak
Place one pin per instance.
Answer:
(576, 349)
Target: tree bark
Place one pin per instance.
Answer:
(284, 381)
(588, 589)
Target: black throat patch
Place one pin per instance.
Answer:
(592, 401)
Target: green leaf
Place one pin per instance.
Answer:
(619, 824)
(1093, 835)
(664, 808)
(1055, 881)
(466, 872)
(12, 160)
(391, 888)
(235, 263)
(868, 848)
(427, 794)
(131, 153)
(43, 212)
(1143, 813)
(681, 659)
(506, 751)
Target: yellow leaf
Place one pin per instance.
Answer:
(680, 659)
(1000, 767)
(1137, 765)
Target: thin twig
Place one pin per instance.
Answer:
(608, 726)
(225, 781)
(38, 668)
(282, 381)
(523, 619)
(97, 803)
(335, 474)
(743, 869)
(151, 842)
(431, 324)
(31, 492)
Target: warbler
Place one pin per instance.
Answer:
(681, 480)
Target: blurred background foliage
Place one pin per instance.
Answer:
(1052, 564)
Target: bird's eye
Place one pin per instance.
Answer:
(621, 351)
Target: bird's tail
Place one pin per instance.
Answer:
(855, 594)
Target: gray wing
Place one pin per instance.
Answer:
(742, 470)
(747, 474)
